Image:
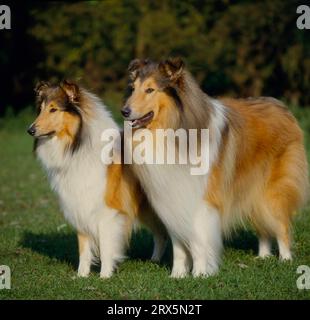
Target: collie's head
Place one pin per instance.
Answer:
(59, 113)
(154, 93)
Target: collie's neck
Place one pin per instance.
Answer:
(197, 106)
(94, 113)
(194, 110)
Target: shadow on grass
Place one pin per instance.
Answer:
(244, 240)
(64, 248)
(141, 248)
(55, 245)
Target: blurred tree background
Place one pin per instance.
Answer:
(237, 48)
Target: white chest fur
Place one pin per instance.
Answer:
(175, 194)
(79, 181)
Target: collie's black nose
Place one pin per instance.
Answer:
(126, 112)
(32, 130)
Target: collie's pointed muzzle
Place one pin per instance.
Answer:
(32, 130)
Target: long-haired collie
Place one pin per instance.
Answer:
(100, 201)
(257, 165)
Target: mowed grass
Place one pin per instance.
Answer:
(41, 248)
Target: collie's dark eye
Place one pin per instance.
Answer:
(149, 90)
(53, 110)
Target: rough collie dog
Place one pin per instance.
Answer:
(100, 201)
(258, 168)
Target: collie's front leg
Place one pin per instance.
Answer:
(206, 242)
(181, 259)
(112, 236)
(85, 254)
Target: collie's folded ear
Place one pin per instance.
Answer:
(134, 67)
(72, 90)
(41, 87)
(172, 68)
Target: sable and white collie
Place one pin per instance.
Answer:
(100, 201)
(258, 168)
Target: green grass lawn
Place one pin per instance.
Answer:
(41, 248)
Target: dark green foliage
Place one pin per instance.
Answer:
(239, 47)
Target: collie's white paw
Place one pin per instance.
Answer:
(83, 271)
(204, 271)
(179, 273)
(284, 251)
(287, 257)
(203, 274)
(155, 260)
(105, 274)
(156, 257)
(263, 256)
